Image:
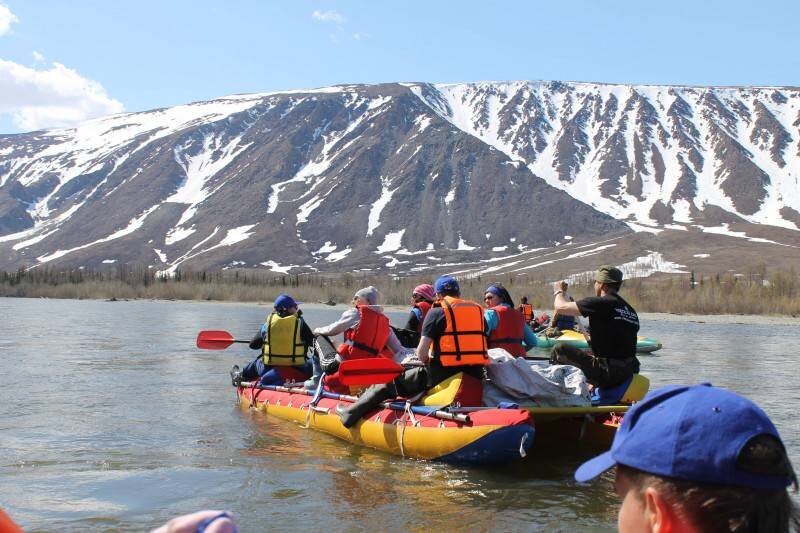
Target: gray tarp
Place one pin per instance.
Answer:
(517, 380)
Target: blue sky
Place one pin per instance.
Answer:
(65, 61)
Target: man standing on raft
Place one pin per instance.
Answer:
(613, 325)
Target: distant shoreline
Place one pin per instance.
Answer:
(775, 320)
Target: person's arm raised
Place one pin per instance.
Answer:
(561, 305)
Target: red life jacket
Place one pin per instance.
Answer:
(527, 311)
(368, 337)
(424, 307)
(464, 340)
(510, 331)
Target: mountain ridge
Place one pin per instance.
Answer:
(407, 177)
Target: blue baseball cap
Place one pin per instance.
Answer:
(694, 433)
(446, 283)
(284, 301)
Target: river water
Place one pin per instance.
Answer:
(112, 420)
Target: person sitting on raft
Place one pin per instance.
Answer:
(453, 340)
(614, 325)
(540, 322)
(366, 333)
(699, 458)
(283, 339)
(526, 309)
(422, 297)
(561, 321)
(506, 326)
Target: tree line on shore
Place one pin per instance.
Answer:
(758, 292)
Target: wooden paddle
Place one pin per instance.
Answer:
(215, 340)
(370, 371)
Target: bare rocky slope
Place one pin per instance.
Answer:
(534, 178)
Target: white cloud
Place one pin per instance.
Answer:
(39, 58)
(329, 16)
(53, 97)
(6, 19)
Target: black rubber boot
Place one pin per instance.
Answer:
(368, 401)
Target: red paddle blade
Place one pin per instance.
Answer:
(372, 371)
(214, 340)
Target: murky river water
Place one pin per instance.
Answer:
(112, 420)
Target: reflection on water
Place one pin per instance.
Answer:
(112, 420)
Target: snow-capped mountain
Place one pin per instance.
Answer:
(485, 177)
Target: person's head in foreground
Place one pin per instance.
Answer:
(699, 458)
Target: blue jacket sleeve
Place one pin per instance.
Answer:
(491, 320)
(530, 340)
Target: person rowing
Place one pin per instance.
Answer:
(614, 325)
(284, 340)
(366, 334)
(506, 326)
(699, 459)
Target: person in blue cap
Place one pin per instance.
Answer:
(453, 340)
(699, 458)
(283, 339)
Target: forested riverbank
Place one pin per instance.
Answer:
(756, 293)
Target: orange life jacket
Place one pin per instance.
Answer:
(527, 311)
(368, 337)
(464, 339)
(423, 307)
(510, 331)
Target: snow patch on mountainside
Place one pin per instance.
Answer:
(132, 226)
(392, 242)
(374, 219)
(586, 126)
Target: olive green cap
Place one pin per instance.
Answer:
(608, 274)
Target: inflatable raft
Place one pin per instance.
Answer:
(458, 435)
(568, 336)
(588, 429)
(481, 437)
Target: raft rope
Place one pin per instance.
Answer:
(402, 422)
(523, 440)
(254, 395)
(315, 400)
